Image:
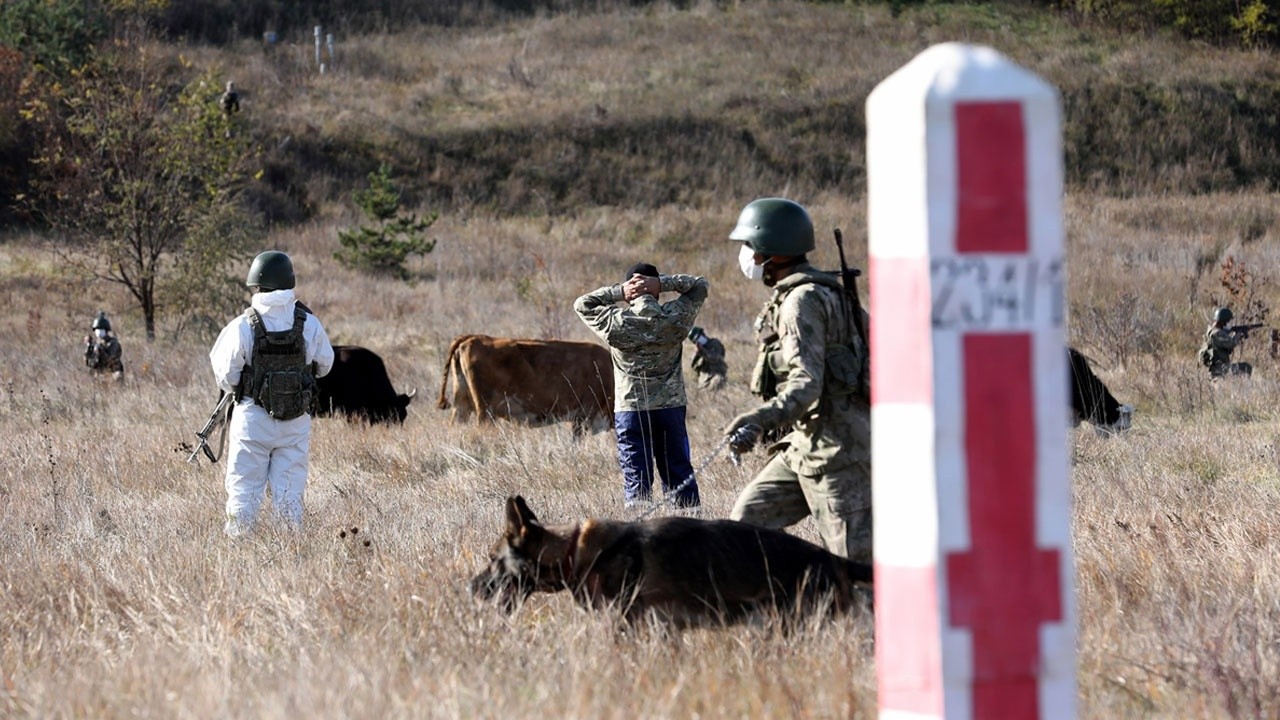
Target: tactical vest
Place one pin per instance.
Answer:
(279, 379)
(847, 366)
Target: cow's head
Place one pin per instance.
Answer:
(400, 409)
(516, 567)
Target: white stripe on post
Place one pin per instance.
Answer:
(974, 610)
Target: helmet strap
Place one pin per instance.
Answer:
(774, 267)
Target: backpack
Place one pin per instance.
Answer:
(1206, 355)
(279, 380)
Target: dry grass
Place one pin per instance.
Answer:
(119, 595)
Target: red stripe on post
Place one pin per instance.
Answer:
(1004, 587)
(991, 170)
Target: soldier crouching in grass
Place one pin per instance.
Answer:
(1220, 340)
(102, 351)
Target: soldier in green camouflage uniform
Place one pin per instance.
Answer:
(645, 339)
(812, 374)
(708, 359)
(1219, 342)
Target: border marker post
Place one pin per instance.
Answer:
(975, 613)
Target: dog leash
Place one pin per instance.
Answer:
(669, 497)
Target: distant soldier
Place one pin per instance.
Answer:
(1220, 341)
(230, 100)
(708, 359)
(102, 352)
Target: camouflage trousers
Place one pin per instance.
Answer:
(1223, 369)
(840, 503)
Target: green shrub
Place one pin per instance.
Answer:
(1243, 22)
(58, 36)
(1254, 24)
(386, 244)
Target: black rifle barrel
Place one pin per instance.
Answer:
(848, 278)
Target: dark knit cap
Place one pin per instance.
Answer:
(641, 269)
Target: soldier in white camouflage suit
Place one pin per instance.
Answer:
(268, 357)
(811, 372)
(645, 338)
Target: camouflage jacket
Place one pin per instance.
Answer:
(645, 339)
(1221, 342)
(811, 360)
(709, 364)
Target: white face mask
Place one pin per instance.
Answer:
(747, 261)
(100, 333)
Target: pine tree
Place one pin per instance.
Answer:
(383, 245)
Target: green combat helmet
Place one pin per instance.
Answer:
(101, 322)
(271, 270)
(775, 226)
(1222, 316)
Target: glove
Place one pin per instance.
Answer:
(744, 432)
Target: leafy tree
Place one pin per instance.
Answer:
(134, 171)
(54, 36)
(40, 42)
(385, 245)
(15, 138)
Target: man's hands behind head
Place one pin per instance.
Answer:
(640, 285)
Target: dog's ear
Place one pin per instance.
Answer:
(520, 519)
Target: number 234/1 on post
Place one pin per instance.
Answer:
(996, 293)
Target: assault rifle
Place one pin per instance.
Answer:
(1244, 329)
(220, 415)
(849, 278)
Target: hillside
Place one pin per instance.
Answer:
(650, 107)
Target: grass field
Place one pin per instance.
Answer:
(121, 597)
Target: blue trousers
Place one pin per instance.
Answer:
(649, 436)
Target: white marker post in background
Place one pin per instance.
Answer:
(975, 614)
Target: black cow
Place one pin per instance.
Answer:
(359, 388)
(1091, 400)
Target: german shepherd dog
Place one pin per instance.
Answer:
(684, 570)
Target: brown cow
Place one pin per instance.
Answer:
(537, 382)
